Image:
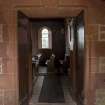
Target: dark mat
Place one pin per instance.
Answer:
(52, 91)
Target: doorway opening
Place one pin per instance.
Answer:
(51, 60)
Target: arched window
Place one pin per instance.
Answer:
(45, 41)
(45, 38)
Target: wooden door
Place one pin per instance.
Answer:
(24, 56)
(79, 41)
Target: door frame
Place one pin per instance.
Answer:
(86, 74)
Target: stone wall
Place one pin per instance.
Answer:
(95, 44)
(8, 56)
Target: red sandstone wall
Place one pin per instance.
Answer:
(95, 21)
(8, 57)
(96, 43)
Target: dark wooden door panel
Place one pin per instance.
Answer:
(79, 23)
(24, 51)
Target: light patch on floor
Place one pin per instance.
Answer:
(36, 90)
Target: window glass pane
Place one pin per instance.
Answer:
(45, 43)
(45, 32)
(44, 35)
(45, 38)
